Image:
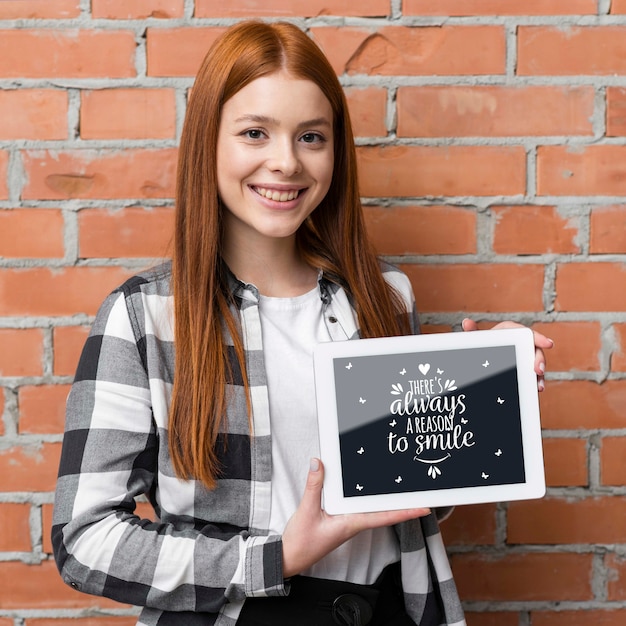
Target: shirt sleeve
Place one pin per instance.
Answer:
(401, 284)
(111, 454)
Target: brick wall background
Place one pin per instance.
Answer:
(492, 142)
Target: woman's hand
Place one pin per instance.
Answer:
(541, 343)
(311, 533)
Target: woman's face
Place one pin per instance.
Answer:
(275, 157)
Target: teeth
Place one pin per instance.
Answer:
(278, 196)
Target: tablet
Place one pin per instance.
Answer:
(429, 420)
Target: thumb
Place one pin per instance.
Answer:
(312, 498)
(469, 324)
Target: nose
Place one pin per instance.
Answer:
(284, 158)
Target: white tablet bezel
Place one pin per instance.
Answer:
(521, 338)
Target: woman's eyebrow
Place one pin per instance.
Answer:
(265, 119)
(251, 117)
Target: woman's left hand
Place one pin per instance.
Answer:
(541, 343)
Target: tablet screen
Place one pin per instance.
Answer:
(429, 420)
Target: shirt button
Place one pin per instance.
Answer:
(332, 319)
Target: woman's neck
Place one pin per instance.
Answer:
(276, 271)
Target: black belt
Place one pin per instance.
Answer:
(321, 602)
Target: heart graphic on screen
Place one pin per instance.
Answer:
(424, 368)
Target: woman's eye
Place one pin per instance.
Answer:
(254, 133)
(312, 138)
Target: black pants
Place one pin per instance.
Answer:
(320, 602)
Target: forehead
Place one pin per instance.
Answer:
(279, 95)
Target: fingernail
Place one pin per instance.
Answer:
(542, 367)
(314, 465)
(541, 385)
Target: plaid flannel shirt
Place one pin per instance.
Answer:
(210, 550)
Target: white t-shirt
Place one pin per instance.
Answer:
(291, 327)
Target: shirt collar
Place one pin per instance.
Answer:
(242, 290)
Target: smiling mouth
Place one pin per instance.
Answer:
(277, 196)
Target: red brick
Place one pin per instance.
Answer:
(618, 6)
(582, 171)
(29, 468)
(137, 9)
(571, 51)
(18, 580)
(292, 8)
(144, 510)
(559, 521)
(534, 230)
(616, 111)
(523, 577)
(414, 51)
(616, 586)
(497, 618)
(67, 291)
(132, 232)
(68, 342)
(455, 8)
(584, 404)
(583, 617)
(21, 351)
(130, 173)
(608, 230)
(422, 230)
(429, 329)
(453, 111)
(485, 287)
(178, 51)
(15, 523)
(441, 170)
(4, 165)
(612, 466)
(618, 358)
(565, 462)
(583, 287)
(368, 108)
(42, 408)
(33, 113)
(32, 233)
(67, 54)
(39, 9)
(577, 345)
(128, 114)
(470, 525)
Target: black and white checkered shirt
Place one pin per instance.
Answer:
(211, 549)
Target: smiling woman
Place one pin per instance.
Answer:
(275, 165)
(196, 384)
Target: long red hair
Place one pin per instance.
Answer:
(332, 239)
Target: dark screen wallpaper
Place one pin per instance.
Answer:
(429, 420)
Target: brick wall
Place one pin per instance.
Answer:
(492, 146)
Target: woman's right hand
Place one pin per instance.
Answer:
(311, 533)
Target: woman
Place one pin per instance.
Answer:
(271, 257)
